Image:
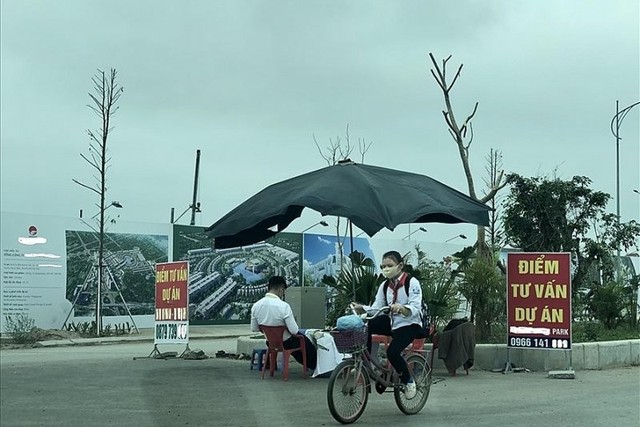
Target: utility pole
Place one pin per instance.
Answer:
(194, 207)
(195, 190)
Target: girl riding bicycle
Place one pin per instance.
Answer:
(403, 323)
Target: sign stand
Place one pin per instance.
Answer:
(185, 351)
(171, 308)
(155, 354)
(508, 367)
(568, 374)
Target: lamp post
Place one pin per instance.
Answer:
(115, 204)
(322, 223)
(193, 208)
(414, 231)
(460, 236)
(617, 121)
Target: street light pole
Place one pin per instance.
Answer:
(193, 208)
(114, 204)
(415, 231)
(322, 223)
(459, 236)
(617, 119)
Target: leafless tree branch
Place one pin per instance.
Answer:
(463, 136)
(85, 186)
(494, 190)
(455, 78)
(364, 148)
(92, 163)
(466, 148)
(473, 113)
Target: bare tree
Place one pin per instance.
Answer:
(494, 170)
(462, 135)
(105, 96)
(337, 150)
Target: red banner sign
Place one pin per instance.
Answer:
(172, 302)
(539, 300)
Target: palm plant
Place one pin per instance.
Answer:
(439, 288)
(484, 286)
(358, 283)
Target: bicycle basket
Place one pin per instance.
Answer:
(351, 340)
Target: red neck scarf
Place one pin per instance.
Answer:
(396, 284)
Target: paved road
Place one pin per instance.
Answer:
(103, 385)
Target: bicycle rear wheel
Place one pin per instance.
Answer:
(347, 392)
(421, 374)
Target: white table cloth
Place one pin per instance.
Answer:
(328, 355)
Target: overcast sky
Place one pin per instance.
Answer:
(250, 83)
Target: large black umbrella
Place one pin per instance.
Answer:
(371, 197)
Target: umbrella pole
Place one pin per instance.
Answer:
(353, 270)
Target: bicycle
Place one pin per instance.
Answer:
(350, 382)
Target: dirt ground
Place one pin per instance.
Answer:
(7, 342)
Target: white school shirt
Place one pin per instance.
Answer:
(272, 311)
(413, 302)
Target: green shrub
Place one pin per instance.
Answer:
(22, 329)
(586, 331)
(608, 304)
(439, 290)
(483, 286)
(498, 334)
(359, 279)
(596, 331)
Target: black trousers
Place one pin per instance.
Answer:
(402, 337)
(312, 354)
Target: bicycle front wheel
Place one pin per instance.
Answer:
(421, 374)
(348, 392)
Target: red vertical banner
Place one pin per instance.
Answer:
(172, 303)
(539, 300)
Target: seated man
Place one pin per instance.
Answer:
(273, 311)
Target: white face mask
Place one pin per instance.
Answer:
(391, 272)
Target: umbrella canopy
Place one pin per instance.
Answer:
(371, 197)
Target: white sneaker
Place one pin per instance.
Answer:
(410, 390)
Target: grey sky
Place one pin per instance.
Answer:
(250, 82)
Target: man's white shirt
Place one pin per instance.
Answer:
(272, 311)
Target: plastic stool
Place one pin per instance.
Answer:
(260, 352)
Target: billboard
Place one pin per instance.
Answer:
(128, 268)
(33, 269)
(172, 303)
(539, 300)
(224, 283)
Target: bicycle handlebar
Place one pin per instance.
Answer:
(367, 316)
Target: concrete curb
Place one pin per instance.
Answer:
(120, 340)
(246, 345)
(593, 355)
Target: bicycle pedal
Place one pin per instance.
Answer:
(380, 388)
